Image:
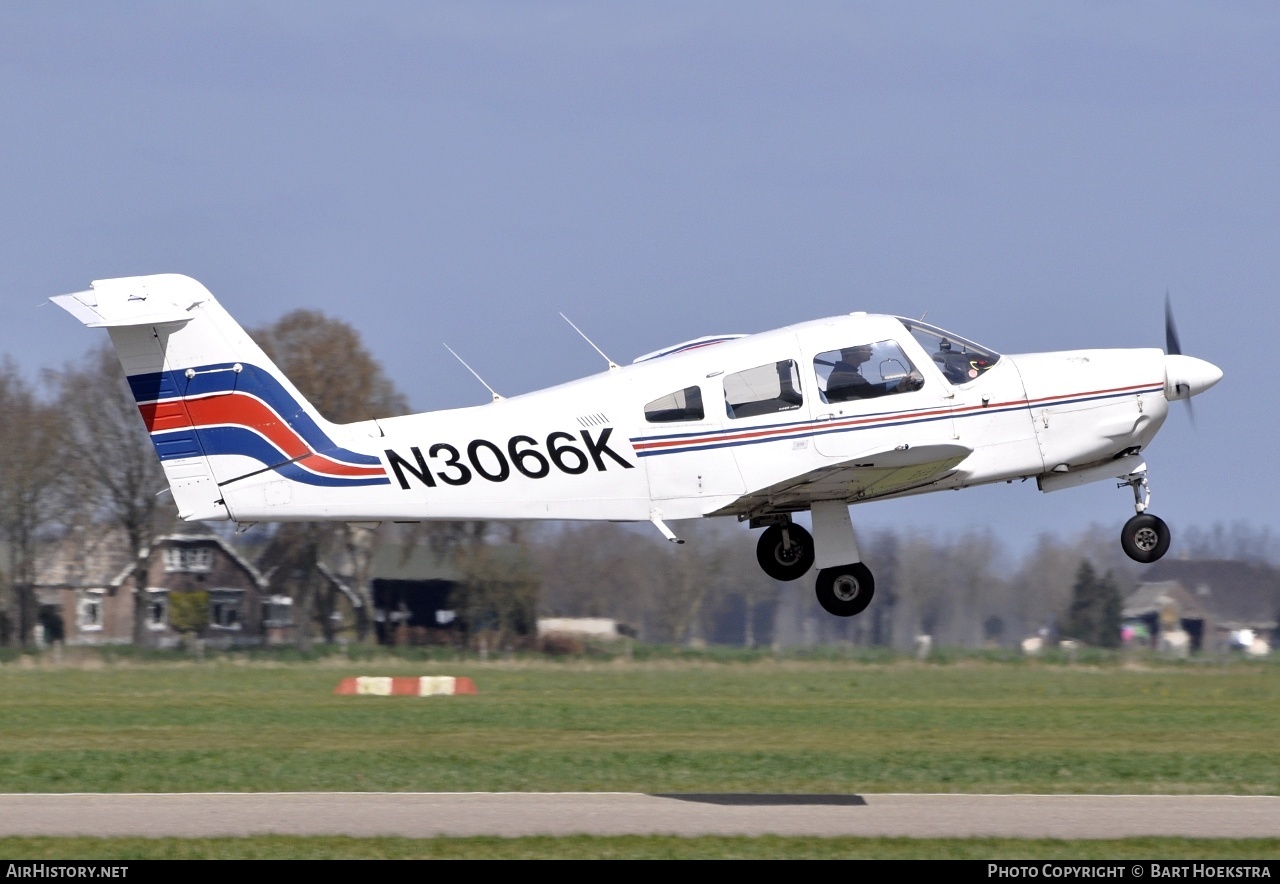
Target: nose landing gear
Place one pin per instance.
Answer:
(1145, 538)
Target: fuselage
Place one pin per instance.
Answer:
(745, 426)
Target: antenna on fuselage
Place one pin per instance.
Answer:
(496, 397)
(612, 365)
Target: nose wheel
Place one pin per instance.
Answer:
(1145, 538)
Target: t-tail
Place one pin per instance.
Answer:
(218, 409)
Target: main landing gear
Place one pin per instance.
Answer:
(846, 589)
(1144, 538)
(786, 551)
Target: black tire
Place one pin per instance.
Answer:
(1145, 538)
(781, 561)
(845, 590)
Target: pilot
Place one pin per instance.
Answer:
(846, 381)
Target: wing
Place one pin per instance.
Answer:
(866, 476)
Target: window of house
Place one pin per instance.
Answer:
(765, 389)
(865, 371)
(188, 558)
(682, 405)
(226, 608)
(89, 613)
(277, 612)
(157, 609)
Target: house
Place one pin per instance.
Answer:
(1165, 612)
(85, 587)
(1216, 599)
(411, 589)
(417, 599)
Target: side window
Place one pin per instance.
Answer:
(765, 389)
(682, 405)
(865, 371)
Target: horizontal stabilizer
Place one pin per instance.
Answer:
(134, 300)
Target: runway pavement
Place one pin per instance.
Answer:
(420, 815)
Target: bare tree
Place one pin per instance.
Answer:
(1240, 541)
(737, 583)
(498, 592)
(326, 360)
(112, 472)
(595, 569)
(295, 552)
(29, 472)
(686, 578)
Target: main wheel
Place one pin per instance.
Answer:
(1145, 538)
(845, 590)
(782, 560)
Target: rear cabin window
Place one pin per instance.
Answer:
(682, 405)
(865, 371)
(765, 389)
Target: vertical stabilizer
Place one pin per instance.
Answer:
(218, 409)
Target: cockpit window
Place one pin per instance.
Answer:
(682, 405)
(763, 390)
(865, 371)
(959, 360)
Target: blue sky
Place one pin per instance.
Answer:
(1034, 176)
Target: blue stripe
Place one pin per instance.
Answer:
(794, 429)
(220, 378)
(174, 446)
(667, 437)
(238, 440)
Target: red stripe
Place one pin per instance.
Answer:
(162, 416)
(789, 431)
(889, 418)
(246, 411)
(1044, 399)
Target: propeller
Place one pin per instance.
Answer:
(1173, 347)
(1171, 344)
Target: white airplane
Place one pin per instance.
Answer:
(814, 416)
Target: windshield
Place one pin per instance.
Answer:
(959, 360)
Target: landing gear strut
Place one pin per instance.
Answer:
(1144, 538)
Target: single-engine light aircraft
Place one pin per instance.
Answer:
(815, 416)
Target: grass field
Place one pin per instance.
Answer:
(232, 724)
(637, 847)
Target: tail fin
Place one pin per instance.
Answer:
(218, 409)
